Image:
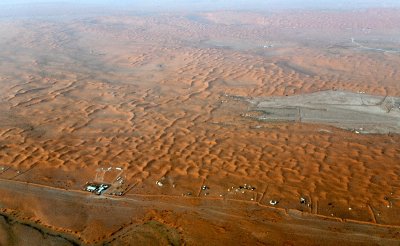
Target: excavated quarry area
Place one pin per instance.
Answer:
(358, 112)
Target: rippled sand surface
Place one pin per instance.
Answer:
(153, 105)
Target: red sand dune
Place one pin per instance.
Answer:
(143, 98)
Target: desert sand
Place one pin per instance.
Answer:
(154, 106)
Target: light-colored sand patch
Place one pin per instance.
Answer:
(359, 112)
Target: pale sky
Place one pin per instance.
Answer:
(237, 4)
(28, 8)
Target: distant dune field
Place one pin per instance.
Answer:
(153, 105)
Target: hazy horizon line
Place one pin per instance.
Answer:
(28, 8)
